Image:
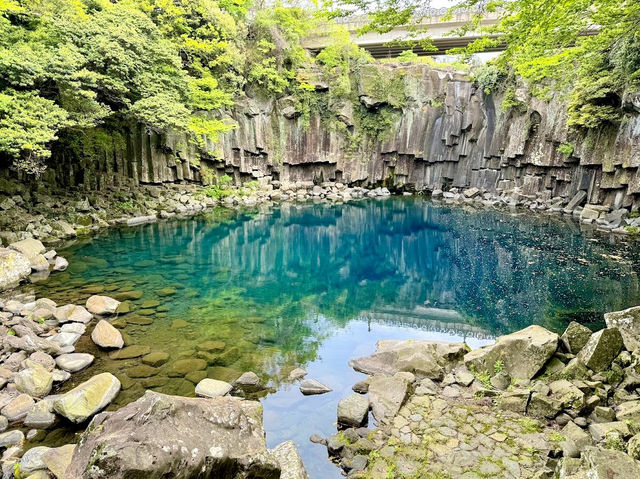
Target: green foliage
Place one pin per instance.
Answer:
(67, 65)
(407, 56)
(488, 77)
(555, 436)
(565, 149)
(613, 441)
(275, 53)
(633, 231)
(498, 366)
(546, 45)
(510, 102)
(222, 188)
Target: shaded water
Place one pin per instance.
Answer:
(313, 285)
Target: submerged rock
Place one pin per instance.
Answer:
(88, 398)
(522, 354)
(160, 436)
(430, 359)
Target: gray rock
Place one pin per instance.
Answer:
(575, 337)
(14, 267)
(311, 386)
(74, 362)
(212, 388)
(608, 464)
(601, 349)
(41, 416)
(575, 440)
(387, 395)
(60, 264)
(628, 323)
(430, 359)
(35, 381)
(72, 313)
(248, 381)
(106, 336)
(87, 398)
(18, 407)
(32, 460)
(64, 339)
(628, 411)
(57, 459)
(290, 462)
(353, 410)
(523, 353)
(102, 305)
(297, 373)
(11, 438)
(599, 431)
(215, 436)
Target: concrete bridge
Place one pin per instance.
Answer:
(388, 44)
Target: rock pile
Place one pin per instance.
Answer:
(604, 218)
(37, 357)
(532, 404)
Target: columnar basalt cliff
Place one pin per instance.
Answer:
(434, 130)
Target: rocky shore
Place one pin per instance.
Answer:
(534, 404)
(158, 435)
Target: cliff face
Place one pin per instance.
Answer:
(446, 133)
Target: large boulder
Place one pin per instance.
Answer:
(14, 267)
(106, 336)
(160, 436)
(627, 322)
(601, 349)
(88, 398)
(522, 354)
(430, 359)
(102, 305)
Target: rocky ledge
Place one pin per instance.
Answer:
(532, 405)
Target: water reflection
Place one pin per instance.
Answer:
(272, 287)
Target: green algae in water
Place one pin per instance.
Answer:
(274, 285)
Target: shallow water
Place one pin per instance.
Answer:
(314, 285)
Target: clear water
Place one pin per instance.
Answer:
(314, 285)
